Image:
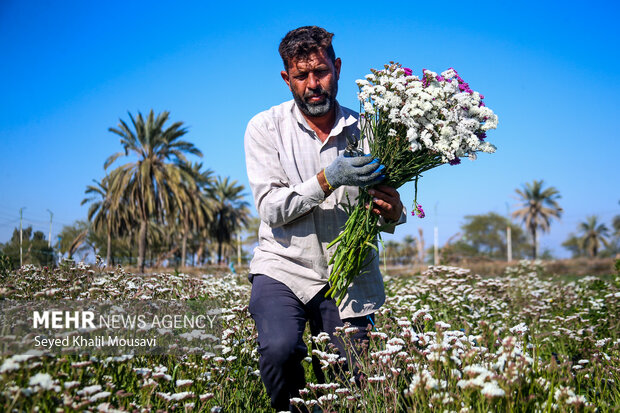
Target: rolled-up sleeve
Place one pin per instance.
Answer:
(277, 201)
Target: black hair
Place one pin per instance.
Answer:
(301, 42)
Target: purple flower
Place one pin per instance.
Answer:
(417, 210)
(481, 96)
(481, 135)
(440, 78)
(455, 161)
(408, 72)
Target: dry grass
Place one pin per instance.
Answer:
(565, 267)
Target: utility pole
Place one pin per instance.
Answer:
(436, 249)
(508, 234)
(421, 251)
(49, 239)
(21, 259)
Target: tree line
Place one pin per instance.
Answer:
(158, 198)
(153, 204)
(485, 236)
(158, 207)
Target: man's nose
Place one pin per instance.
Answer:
(313, 81)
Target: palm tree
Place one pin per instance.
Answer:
(574, 245)
(251, 230)
(409, 249)
(105, 216)
(154, 183)
(593, 234)
(230, 211)
(538, 207)
(73, 237)
(391, 252)
(615, 223)
(196, 210)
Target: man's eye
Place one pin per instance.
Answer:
(301, 77)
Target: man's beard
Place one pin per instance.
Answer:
(319, 108)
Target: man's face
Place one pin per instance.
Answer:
(314, 83)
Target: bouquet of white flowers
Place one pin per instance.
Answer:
(412, 125)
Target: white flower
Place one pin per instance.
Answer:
(519, 329)
(440, 325)
(368, 108)
(9, 365)
(322, 338)
(71, 384)
(446, 131)
(376, 379)
(87, 391)
(181, 396)
(41, 380)
(100, 395)
(328, 397)
(491, 389)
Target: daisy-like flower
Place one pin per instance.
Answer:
(411, 125)
(41, 380)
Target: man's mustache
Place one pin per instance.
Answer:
(315, 93)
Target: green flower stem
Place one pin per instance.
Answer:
(361, 230)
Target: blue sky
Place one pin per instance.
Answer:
(71, 69)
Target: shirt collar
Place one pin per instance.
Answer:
(341, 122)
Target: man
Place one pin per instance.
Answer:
(300, 178)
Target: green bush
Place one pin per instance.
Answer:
(5, 266)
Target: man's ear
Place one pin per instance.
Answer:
(337, 64)
(286, 78)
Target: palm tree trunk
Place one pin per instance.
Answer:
(219, 252)
(183, 250)
(199, 253)
(184, 243)
(109, 251)
(142, 245)
(534, 242)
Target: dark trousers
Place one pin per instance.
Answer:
(280, 319)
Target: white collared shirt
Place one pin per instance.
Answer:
(283, 157)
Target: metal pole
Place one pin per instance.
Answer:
(49, 242)
(436, 254)
(21, 259)
(509, 242)
(436, 249)
(508, 235)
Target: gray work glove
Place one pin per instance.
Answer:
(355, 171)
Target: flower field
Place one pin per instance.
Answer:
(446, 340)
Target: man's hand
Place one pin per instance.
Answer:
(386, 202)
(354, 171)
